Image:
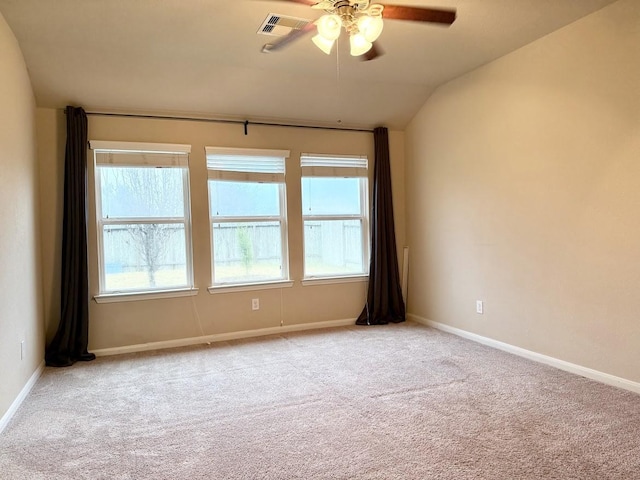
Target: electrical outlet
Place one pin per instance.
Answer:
(22, 350)
(479, 307)
(255, 304)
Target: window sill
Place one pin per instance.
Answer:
(239, 287)
(334, 280)
(149, 295)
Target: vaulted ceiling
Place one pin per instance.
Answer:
(203, 57)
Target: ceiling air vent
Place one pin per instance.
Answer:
(279, 25)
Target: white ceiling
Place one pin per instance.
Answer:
(203, 57)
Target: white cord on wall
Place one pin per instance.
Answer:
(281, 308)
(405, 274)
(197, 317)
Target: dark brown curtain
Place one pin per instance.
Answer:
(384, 298)
(72, 337)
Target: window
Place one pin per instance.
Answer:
(248, 215)
(334, 214)
(142, 209)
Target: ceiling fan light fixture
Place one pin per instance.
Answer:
(329, 26)
(362, 20)
(323, 43)
(359, 44)
(370, 27)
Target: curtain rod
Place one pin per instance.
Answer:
(245, 123)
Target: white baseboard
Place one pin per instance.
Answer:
(221, 337)
(6, 418)
(536, 357)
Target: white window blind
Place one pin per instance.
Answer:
(314, 165)
(255, 165)
(140, 154)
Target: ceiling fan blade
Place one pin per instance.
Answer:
(419, 14)
(289, 38)
(374, 52)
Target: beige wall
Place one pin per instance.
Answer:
(397, 160)
(130, 323)
(20, 285)
(523, 190)
(51, 128)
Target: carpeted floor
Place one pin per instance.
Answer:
(395, 402)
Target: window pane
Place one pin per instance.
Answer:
(247, 252)
(333, 247)
(144, 256)
(330, 196)
(138, 192)
(239, 199)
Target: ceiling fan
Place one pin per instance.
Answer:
(361, 19)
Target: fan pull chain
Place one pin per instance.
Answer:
(338, 89)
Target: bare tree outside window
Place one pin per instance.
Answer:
(150, 240)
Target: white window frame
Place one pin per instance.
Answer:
(239, 165)
(152, 155)
(338, 166)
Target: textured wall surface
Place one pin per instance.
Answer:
(20, 279)
(522, 191)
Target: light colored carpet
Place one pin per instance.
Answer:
(393, 402)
